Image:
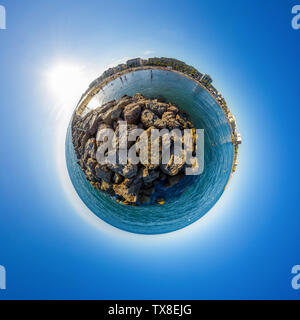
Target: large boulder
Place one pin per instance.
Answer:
(102, 172)
(183, 121)
(170, 119)
(127, 171)
(116, 112)
(173, 109)
(117, 179)
(102, 109)
(148, 118)
(132, 113)
(90, 149)
(149, 176)
(128, 189)
(158, 108)
(174, 166)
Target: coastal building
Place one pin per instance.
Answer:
(109, 72)
(121, 67)
(137, 62)
(232, 122)
(238, 139)
(206, 80)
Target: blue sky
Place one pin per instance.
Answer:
(51, 245)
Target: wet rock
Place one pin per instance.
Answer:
(171, 181)
(106, 187)
(160, 201)
(143, 199)
(118, 178)
(128, 189)
(102, 172)
(147, 192)
(150, 175)
(172, 167)
(90, 176)
(127, 171)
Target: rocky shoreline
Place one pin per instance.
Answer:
(131, 184)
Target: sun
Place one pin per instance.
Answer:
(66, 80)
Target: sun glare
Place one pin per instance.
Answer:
(66, 80)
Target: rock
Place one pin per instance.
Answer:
(143, 199)
(127, 171)
(170, 119)
(116, 112)
(85, 124)
(102, 109)
(129, 190)
(91, 164)
(106, 187)
(132, 113)
(118, 178)
(102, 172)
(90, 149)
(150, 175)
(173, 109)
(171, 168)
(147, 192)
(173, 180)
(107, 116)
(148, 118)
(90, 176)
(160, 124)
(137, 97)
(93, 123)
(160, 201)
(183, 121)
(159, 109)
(125, 100)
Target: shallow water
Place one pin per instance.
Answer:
(194, 196)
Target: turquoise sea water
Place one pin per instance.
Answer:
(194, 196)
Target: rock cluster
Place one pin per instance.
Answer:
(131, 183)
